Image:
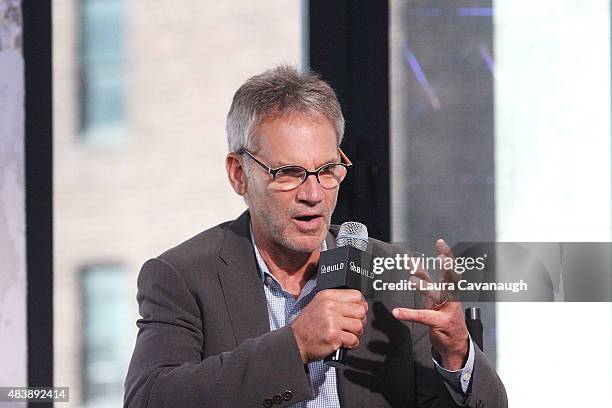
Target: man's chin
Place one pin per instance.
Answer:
(306, 243)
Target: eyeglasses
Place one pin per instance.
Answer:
(286, 178)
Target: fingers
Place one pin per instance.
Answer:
(353, 317)
(349, 340)
(354, 326)
(445, 255)
(419, 271)
(447, 261)
(443, 248)
(348, 302)
(345, 316)
(432, 296)
(423, 316)
(334, 318)
(352, 310)
(342, 295)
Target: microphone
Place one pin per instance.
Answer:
(346, 267)
(474, 325)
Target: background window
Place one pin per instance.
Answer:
(501, 131)
(105, 328)
(166, 73)
(102, 82)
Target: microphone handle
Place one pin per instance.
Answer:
(337, 358)
(474, 325)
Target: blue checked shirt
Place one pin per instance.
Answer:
(283, 308)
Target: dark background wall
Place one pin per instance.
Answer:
(428, 166)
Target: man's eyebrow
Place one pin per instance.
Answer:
(334, 160)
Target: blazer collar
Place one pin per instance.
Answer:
(242, 288)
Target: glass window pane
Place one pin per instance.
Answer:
(105, 331)
(102, 30)
(103, 102)
(102, 70)
(553, 179)
(500, 117)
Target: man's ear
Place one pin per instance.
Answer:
(235, 173)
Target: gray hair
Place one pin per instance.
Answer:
(278, 91)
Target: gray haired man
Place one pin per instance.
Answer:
(230, 317)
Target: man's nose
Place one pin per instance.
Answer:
(310, 190)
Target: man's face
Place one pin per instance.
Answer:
(297, 219)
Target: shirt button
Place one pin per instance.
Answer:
(466, 377)
(287, 395)
(267, 403)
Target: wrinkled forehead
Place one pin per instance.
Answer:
(296, 138)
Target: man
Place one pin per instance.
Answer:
(230, 318)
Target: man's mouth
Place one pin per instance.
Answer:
(307, 217)
(308, 223)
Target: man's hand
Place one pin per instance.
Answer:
(447, 330)
(334, 318)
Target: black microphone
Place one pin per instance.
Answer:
(346, 267)
(474, 325)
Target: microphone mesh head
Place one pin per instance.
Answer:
(354, 234)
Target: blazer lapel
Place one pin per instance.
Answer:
(242, 287)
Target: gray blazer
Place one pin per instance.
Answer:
(204, 340)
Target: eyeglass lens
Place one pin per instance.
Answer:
(329, 176)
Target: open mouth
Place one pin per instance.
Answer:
(308, 223)
(307, 217)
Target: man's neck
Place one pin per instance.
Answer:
(291, 268)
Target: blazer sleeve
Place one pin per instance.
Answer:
(486, 390)
(168, 369)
